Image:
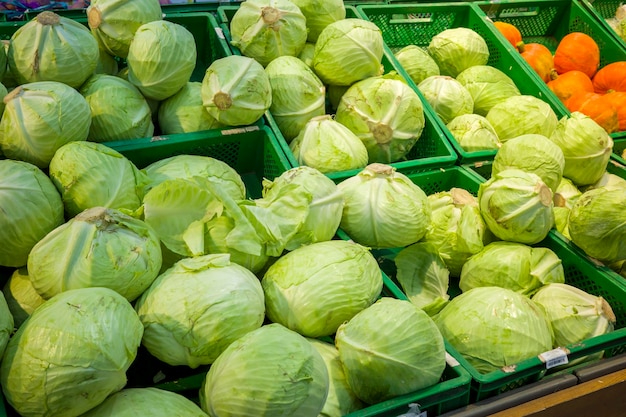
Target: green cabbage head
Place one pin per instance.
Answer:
(522, 114)
(416, 61)
(319, 14)
(494, 327)
(95, 334)
(198, 307)
(384, 208)
(488, 86)
(389, 349)
(301, 295)
(184, 112)
(21, 296)
(457, 49)
(447, 97)
(6, 323)
(474, 133)
(271, 371)
(150, 401)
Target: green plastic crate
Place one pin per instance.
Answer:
(417, 24)
(548, 21)
(432, 150)
(579, 271)
(619, 146)
(602, 10)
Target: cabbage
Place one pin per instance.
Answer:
(517, 206)
(297, 94)
(114, 22)
(266, 29)
(574, 314)
(236, 90)
(597, 224)
(155, 402)
(457, 49)
(494, 327)
(523, 114)
(564, 198)
(389, 349)
(328, 146)
(184, 112)
(448, 97)
(586, 146)
(161, 58)
(607, 180)
(341, 399)
(52, 48)
(515, 266)
(271, 371)
(97, 248)
(423, 276)
(31, 208)
(71, 354)
(3, 94)
(488, 86)
(532, 153)
(6, 323)
(118, 110)
(21, 296)
(386, 114)
(89, 174)
(384, 208)
(417, 63)
(307, 53)
(41, 117)
(198, 307)
(189, 166)
(107, 64)
(302, 294)
(474, 133)
(319, 14)
(347, 51)
(457, 229)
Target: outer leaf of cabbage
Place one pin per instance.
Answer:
(3, 62)
(607, 180)
(184, 112)
(488, 86)
(423, 276)
(236, 90)
(114, 22)
(319, 14)
(384, 208)
(386, 114)
(417, 63)
(6, 323)
(307, 53)
(517, 206)
(52, 48)
(266, 29)
(574, 314)
(474, 133)
(97, 248)
(268, 372)
(404, 353)
(89, 174)
(523, 114)
(154, 402)
(515, 266)
(118, 109)
(96, 334)
(302, 293)
(21, 296)
(347, 51)
(586, 146)
(31, 207)
(532, 153)
(41, 117)
(448, 97)
(457, 230)
(189, 166)
(161, 58)
(195, 309)
(3, 94)
(297, 94)
(341, 399)
(494, 327)
(564, 198)
(597, 224)
(457, 49)
(328, 146)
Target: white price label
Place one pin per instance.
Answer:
(450, 360)
(554, 357)
(220, 33)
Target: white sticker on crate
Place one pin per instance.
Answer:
(451, 360)
(554, 357)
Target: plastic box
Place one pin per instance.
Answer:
(603, 10)
(417, 24)
(432, 149)
(579, 271)
(619, 146)
(548, 21)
